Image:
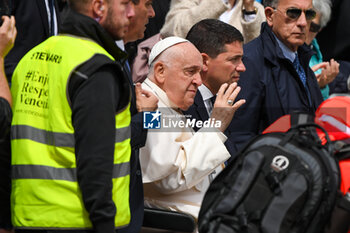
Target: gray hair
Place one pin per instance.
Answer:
(324, 8)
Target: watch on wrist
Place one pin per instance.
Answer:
(250, 12)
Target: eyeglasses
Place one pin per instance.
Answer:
(314, 27)
(294, 13)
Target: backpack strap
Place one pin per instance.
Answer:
(300, 118)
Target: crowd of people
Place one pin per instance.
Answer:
(76, 153)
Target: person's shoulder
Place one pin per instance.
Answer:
(253, 47)
(253, 53)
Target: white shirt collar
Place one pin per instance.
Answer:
(205, 92)
(206, 95)
(120, 44)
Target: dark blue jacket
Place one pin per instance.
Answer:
(138, 140)
(271, 87)
(340, 83)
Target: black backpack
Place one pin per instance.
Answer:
(279, 183)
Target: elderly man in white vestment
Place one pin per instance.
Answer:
(178, 163)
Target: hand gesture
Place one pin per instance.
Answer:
(8, 34)
(329, 71)
(145, 100)
(224, 106)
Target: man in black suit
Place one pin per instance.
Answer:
(35, 23)
(221, 46)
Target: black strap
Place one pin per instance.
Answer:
(52, 17)
(298, 118)
(274, 181)
(212, 99)
(313, 125)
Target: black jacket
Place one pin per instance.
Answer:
(32, 29)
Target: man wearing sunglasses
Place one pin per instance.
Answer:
(277, 80)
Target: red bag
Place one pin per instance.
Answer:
(333, 115)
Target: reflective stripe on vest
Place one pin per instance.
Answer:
(57, 139)
(53, 173)
(45, 192)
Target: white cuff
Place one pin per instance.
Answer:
(249, 18)
(220, 134)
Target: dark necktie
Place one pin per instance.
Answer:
(52, 18)
(127, 66)
(212, 99)
(299, 70)
(302, 76)
(127, 70)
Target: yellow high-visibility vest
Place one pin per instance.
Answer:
(45, 191)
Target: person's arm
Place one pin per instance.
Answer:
(329, 71)
(145, 101)
(138, 133)
(175, 161)
(8, 34)
(95, 100)
(5, 92)
(251, 25)
(4, 86)
(341, 83)
(183, 14)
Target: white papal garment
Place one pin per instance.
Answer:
(176, 165)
